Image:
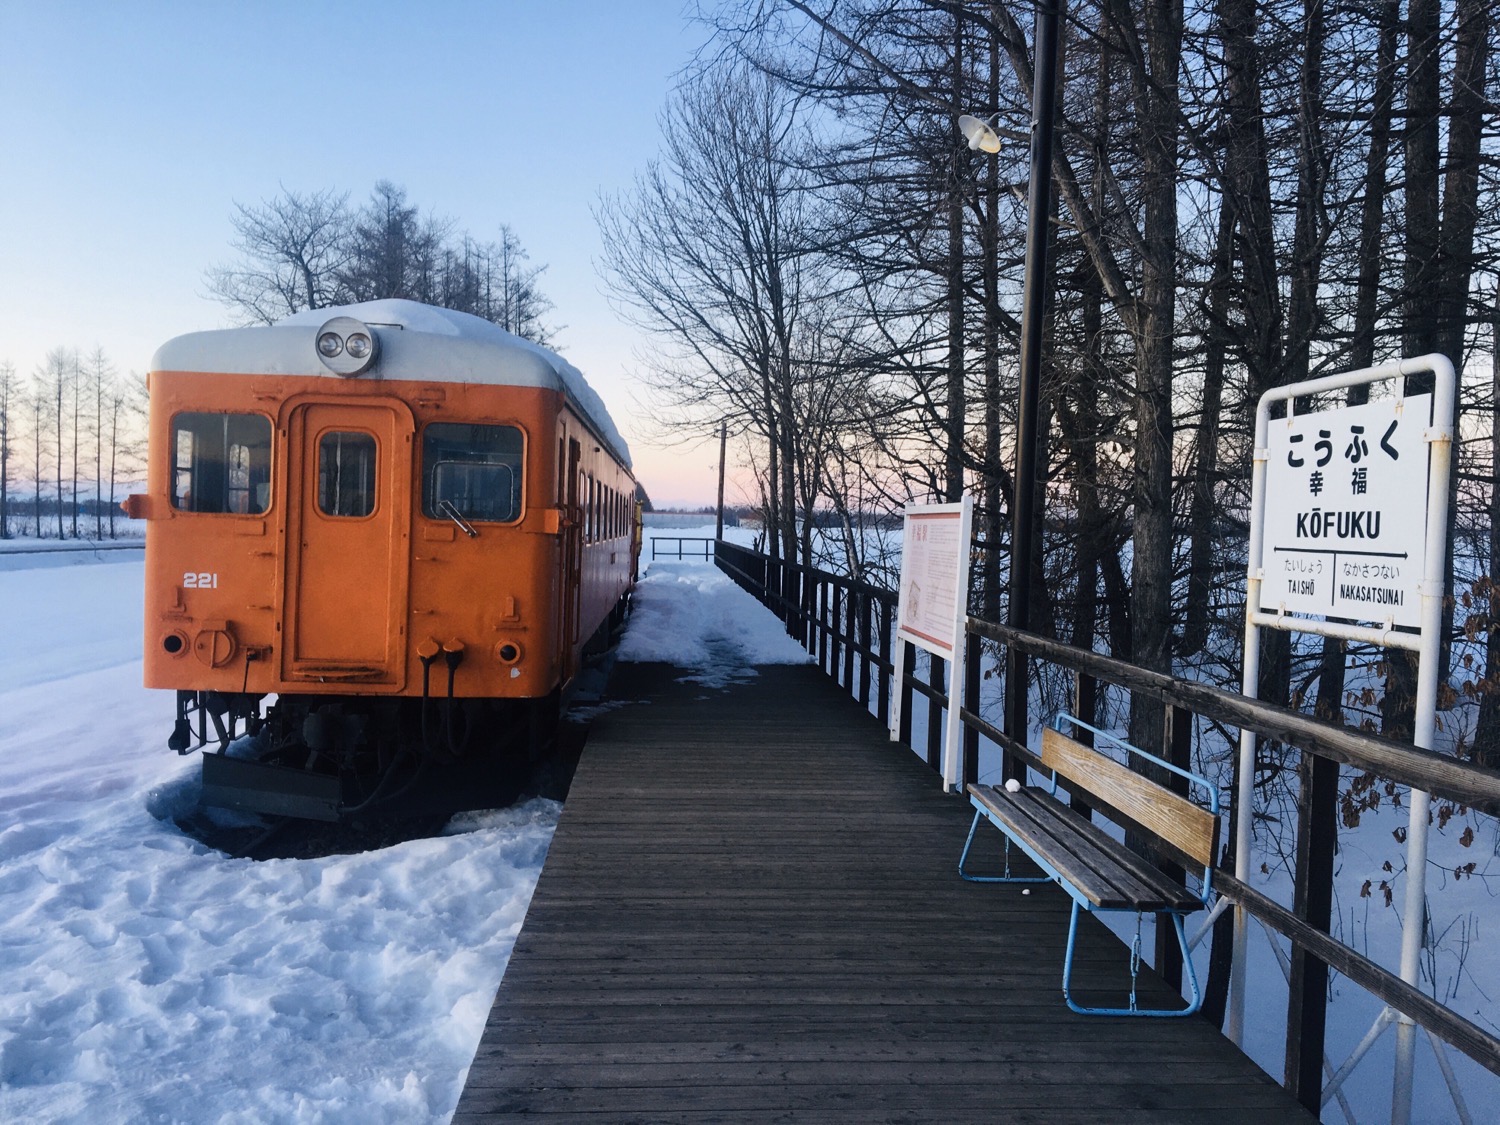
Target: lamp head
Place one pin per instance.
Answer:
(978, 133)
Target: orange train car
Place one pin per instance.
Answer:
(379, 540)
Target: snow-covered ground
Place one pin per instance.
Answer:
(144, 977)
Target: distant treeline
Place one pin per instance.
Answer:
(72, 444)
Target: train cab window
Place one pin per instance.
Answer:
(221, 463)
(346, 474)
(472, 470)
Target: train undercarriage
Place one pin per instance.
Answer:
(339, 758)
(346, 758)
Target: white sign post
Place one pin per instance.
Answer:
(1348, 520)
(932, 607)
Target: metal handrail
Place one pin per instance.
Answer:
(681, 540)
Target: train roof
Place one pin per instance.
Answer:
(417, 342)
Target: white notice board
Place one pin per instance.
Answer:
(933, 606)
(1346, 512)
(934, 576)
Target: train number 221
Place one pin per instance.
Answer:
(202, 581)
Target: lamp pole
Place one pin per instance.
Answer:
(1048, 41)
(723, 443)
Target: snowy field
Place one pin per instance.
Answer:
(144, 977)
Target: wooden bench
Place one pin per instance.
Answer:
(1098, 872)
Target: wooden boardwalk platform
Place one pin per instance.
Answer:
(751, 913)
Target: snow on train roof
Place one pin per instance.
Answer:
(417, 341)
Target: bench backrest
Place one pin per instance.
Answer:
(1193, 830)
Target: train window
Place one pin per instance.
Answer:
(221, 463)
(471, 469)
(346, 474)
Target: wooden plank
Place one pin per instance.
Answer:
(751, 911)
(1173, 818)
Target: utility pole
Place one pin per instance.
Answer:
(1034, 289)
(723, 443)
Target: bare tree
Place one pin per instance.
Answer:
(56, 384)
(510, 295)
(36, 402)
(294, 249)
(9, 392)
(714, 251)
(309, 251)
(392, 250)
(124, 418)
(97, 390)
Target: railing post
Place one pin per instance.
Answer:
(849, 641)
(865, 648)
(1086, 707)
(807, 596)
(1178, 750)
(909, 667)
(973, 674)
(1312, 901)
(832, 610)
(820, 603)
(883, 676)
(938, 683)
(804, 604)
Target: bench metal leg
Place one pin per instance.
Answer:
(1007, 877)
(1194, 1003)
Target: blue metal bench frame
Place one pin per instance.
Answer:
(1080, 901)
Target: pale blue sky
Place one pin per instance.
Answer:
(128, 131)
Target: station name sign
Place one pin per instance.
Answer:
(1346, 512)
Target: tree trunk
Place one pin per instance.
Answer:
(1202, 509)
(1456, 243)
(58, 433)
(1420, 279)
(1248, 191)
(1332, 667)
(1151, 566)
(1487, 734)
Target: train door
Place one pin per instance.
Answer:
(572, 549)
(346, 581)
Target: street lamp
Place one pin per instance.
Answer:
(977, 132)
(981, 137)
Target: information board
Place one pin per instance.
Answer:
(932, 608)
(1346, 512)
(934, 575)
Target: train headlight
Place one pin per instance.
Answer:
(347, 347)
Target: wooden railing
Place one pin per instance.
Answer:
(848, 627)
